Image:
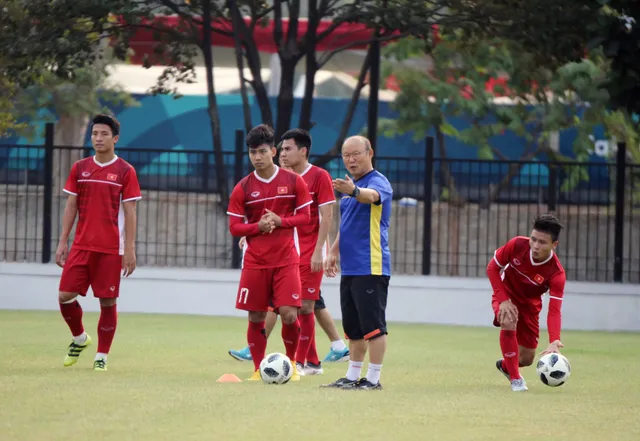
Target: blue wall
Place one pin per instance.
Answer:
(161, 122)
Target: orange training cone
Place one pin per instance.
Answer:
(229, 378)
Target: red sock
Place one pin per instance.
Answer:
(257, 339)
(72, 314)
(107, 327)
(290, 337)
(510, 352)
(312, 354)
(307, 330)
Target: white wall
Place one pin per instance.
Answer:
(414, 299)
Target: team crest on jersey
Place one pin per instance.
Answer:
(538, 279)
(516, 262)
(112, 177)
(282, 190)
(255, 194)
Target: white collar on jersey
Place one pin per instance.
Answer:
(266, 181)
(534, 263)
(306, 170)
(115, 158)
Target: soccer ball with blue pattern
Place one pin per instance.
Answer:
(553, 369)
(276, 368)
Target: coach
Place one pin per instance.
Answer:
(365, 260)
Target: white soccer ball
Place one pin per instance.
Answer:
(276, 368)
(553, 369)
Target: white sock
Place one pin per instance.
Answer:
(338, 345)
(373, 373)
(355, 368)
(101, 356)
(80, 339)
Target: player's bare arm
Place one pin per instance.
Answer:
(130, 221)
(326, 213)
(554, 315)
(348, 187)
(331, 264)
(68, 219)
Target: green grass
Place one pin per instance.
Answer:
(440, 384)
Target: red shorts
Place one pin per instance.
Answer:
(261, 288)
(528, 327)
(89, 268)
(310, 283)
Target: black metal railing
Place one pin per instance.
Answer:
(472, 207)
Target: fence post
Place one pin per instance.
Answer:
(48, 193)
(428, 205)
(618, 241)
(238, 173)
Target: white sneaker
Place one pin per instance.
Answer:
(300, 368)
(313, 369)
(519, 385)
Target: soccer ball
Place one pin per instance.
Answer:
(554, 369)
(276, 368)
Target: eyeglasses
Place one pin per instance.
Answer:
(354, 155)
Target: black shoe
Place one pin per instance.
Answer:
(364, 384)
(502, 369)
(342, 383)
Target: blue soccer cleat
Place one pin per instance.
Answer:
(335, 356)
(242, 354)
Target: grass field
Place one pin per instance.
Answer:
(440, 384)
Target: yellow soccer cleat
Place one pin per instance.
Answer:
(74, 351)
(100, 365)
(255, 376)
(295, 376)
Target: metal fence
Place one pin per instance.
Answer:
(474, 207)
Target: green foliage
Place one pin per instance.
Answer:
(54, 61)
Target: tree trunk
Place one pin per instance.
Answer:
(246, 108)
(255, 66)
(331, 154)
(455, 198)
(306, 110)
(70, 131)
(214, 115)
(285, 97)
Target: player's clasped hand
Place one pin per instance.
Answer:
(128, 263)
(508, 313)
(345, 185)
(61, 254)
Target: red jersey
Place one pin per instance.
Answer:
(320, 187)
(285, 194)
(525, 281)
(101, 189)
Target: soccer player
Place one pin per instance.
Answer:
(294, 155)
(521, 272)
(103, 190)
(365, 258)
(265, 207)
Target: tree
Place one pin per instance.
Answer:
(57, 65)
(395, 18)
(544, 100)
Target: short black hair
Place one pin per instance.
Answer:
(108, 121)
(548, 223)
(301, 137)
(262, 134)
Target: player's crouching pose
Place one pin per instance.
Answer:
(520, 273)
(265, 207)
(103, 191)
